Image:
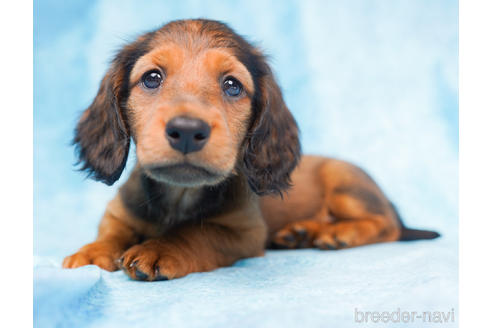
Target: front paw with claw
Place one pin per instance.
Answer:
(154, 260)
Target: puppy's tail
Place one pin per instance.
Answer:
(414, 234)
(408, 234)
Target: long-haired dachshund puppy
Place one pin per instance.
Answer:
(216, 148)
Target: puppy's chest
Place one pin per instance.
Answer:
(167, 206)
(180, 204)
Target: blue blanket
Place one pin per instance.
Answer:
(373, 82)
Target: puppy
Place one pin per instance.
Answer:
(217, 150)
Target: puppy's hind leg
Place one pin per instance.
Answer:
(342, 233)
(356, 213)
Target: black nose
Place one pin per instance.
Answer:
(187, 134)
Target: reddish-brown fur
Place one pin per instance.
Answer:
(169, 220)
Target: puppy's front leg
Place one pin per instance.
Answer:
(115, 235)
(197, 247)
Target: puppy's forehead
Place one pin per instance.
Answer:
(175, 58)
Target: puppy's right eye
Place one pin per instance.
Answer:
(152, 79)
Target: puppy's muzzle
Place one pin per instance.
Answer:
(186, 134)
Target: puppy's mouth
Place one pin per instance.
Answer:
(184, 174)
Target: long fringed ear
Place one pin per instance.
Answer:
(101, 138)
(272, 149)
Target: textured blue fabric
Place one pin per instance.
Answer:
(373, 82)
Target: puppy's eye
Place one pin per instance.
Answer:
(232, 87)
(152, 79)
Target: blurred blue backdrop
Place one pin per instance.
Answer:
(374, 82)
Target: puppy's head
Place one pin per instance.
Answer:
(200, 103)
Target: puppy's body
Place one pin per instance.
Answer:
(216, 148)
(319, 187)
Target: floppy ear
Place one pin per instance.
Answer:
(272, 145)
(102, 136)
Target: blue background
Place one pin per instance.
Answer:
(373, 82)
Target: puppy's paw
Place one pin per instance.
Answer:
(101, 254)
(154, 260)
(346, 234)
(297, 235)
(314, 234)
(330, 240)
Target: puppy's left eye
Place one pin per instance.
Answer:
(152, 79)
(232, 87)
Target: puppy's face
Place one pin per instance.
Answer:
(200, 103)
(189, 109)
